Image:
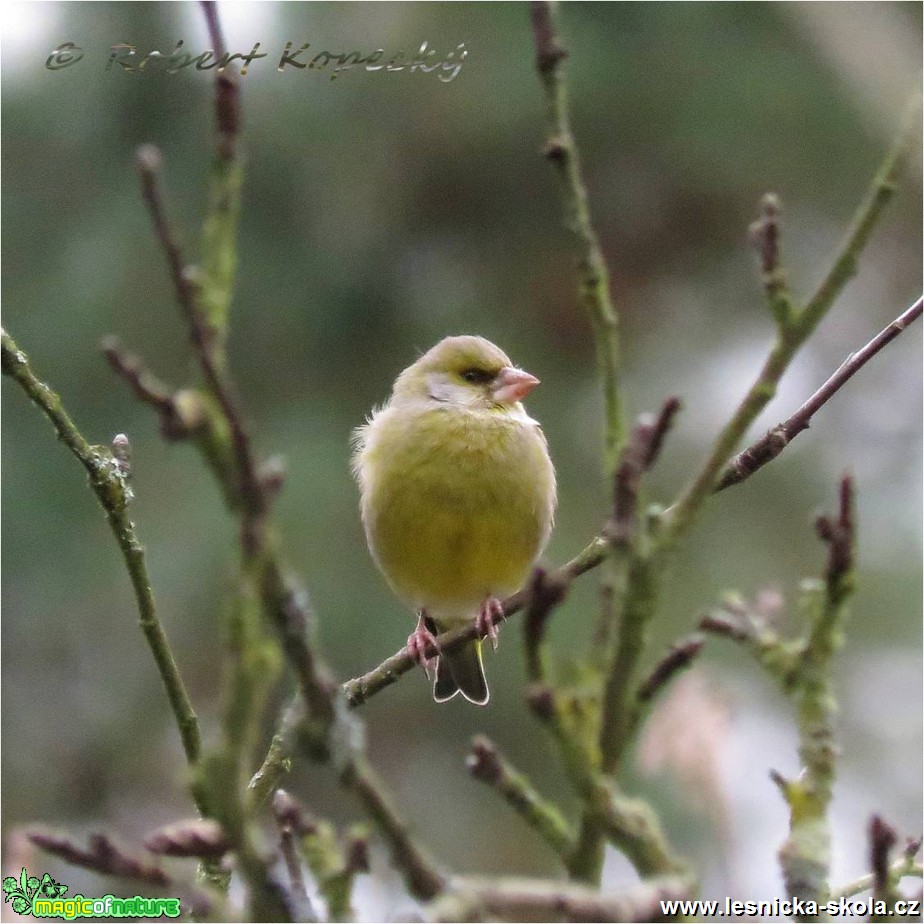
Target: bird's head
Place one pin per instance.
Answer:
(467, 372)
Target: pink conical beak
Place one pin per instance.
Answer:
(512, 385)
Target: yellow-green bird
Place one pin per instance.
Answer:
(458, 497)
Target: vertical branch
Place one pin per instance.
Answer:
(618, 706)
(764, 236)
(225, 444)
(570, 720)
(322, 728)
(204, 295)
(882, 838)
(545, 593)
(291, 824)
(213, 24)
(804, 668)
(628, 537)
(334, 860)
(805, 856)
(627, 532)
(640, 591)
(561, 151)
(220, 228)
(619, 693)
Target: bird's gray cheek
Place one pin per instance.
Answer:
(439, 389)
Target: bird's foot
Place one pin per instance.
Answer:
(485, 620)
(419, 641)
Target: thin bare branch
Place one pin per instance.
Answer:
(769, 446)
(101, 855)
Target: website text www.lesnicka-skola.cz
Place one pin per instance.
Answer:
(845, 908)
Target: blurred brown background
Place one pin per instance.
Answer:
(382, 212)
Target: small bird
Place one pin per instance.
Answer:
(458, 497)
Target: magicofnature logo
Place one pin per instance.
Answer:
(44, 898)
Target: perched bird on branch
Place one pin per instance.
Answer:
(458, 497)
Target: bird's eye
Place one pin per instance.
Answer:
(477, 376)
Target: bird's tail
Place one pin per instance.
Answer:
(461, 671)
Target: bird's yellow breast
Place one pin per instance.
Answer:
(456, 506)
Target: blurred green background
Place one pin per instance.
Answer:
(382, 212)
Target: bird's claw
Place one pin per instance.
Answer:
(485, 620)
(418, 642)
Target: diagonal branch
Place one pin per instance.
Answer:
(423, 878)
(792, 332)
(769, 446)
(865, 219)
(191, 289)
(108, 475)
(488, 765)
